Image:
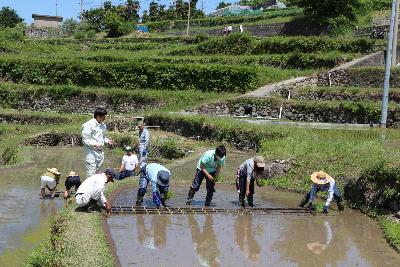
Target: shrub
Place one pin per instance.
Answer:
(13, 34)
(220, 21)
(79, 35)
(237, 44)
(170, 149)
(131, 75)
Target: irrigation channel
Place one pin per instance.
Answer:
(24, 218)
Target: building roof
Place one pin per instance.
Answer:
(47, 16)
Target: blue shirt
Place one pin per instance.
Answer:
(209, 163)
(152, 171)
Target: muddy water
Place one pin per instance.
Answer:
(24, 218)
(341, 239)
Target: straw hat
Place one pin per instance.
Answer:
(54, 171)
(316, 247)
(321, 177)
(128, 149)
(259, 161)
(72, 174)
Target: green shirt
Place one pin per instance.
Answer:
(208, 161)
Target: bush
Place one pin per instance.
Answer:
(79, 35)
(169, 149)
(220, 21)
(69, 26)
(237, 44)
(13, 34)
(131, 75)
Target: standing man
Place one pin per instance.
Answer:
(92, 190)
(249, 172)
(144, 140)
(94, 138)
(158, 176)
(129, 163)
(209, 167)
(323, 182)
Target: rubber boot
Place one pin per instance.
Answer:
(303, 202)
(190, 196)
(139, 201)
(241, 201)
(340, 206)
(209, 198)
(250, 201)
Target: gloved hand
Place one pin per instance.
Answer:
(325, 210)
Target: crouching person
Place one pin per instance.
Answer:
(249, 172)
(49, 179)
(72, 180)
(209, 167)
(92, 190)
(158, 176)
(323, 182)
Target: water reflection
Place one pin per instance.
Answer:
(245, 233)
(313, 241)
(204, 242)
(47, 208)
(152, 233)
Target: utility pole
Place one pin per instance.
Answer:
(386, 84)
(202, 5)
(396, 32)
(188, 22)
(81, 9)
(56, 7)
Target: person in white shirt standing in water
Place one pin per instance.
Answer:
(144, 140)
(129, 163)
(92, 190)
(94, 138)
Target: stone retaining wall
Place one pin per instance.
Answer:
(79, 104)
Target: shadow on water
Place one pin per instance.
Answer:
(345, 239)
(24, 218)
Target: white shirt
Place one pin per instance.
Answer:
(94, 187)
(230, 28)
(129, 162)
(94, 133)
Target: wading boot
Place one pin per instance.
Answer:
(209, 198)
(250, 201)
(303, 202)
(340, 206)
(241, 201)
(190, 196)
(139, 201)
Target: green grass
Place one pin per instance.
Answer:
(391, 230)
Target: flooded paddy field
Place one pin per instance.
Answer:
(348, 238)
(24, 218)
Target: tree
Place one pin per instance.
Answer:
(9, 17)
(334, 13)
(222, 5)
(69, 26)
(132, 10)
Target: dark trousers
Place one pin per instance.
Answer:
(124, 174)
(198, 179)
(72, 181)
(241, 185)
(336, 195)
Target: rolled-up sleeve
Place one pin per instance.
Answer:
(330, 193)
(102, 197)
(87, 135)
